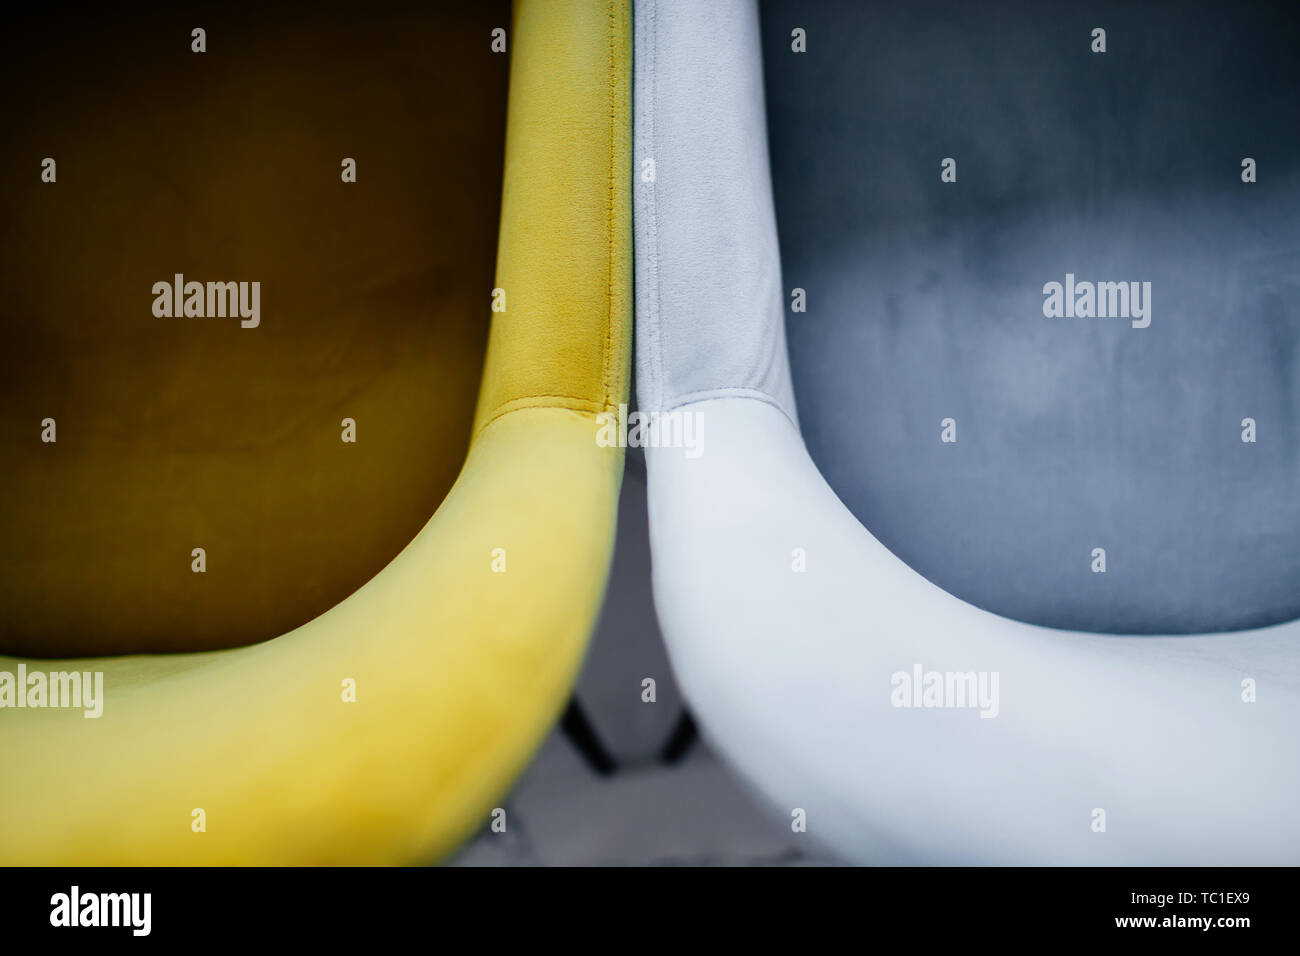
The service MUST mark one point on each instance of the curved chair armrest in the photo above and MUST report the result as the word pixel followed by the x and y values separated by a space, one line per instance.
pixel 464 648
pixel 459 671
pixel 804 678
pixel 797 637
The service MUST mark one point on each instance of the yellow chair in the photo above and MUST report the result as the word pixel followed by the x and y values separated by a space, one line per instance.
pixel 462 650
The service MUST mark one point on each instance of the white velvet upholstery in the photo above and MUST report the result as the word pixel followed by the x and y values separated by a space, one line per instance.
pixel 789 671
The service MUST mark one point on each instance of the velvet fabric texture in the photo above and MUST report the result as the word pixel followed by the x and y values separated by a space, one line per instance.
pixel 925 298
pixel 387 729
pixel 183 432
pixel 892 720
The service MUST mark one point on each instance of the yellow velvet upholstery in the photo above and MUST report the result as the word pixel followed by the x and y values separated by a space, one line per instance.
pixel 186 432
pixel 459 666
pixel 566 245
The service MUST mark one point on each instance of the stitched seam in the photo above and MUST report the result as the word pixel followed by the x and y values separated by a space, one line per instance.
pixel 732 391
pixel 582 404
pixel 594 403
pixel 657 351
pixel 609 289
pixel 648 325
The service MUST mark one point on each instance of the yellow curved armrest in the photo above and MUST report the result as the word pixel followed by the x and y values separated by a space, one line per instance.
pixel 461 652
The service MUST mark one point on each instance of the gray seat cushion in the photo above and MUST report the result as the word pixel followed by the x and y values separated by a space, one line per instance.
pixel 925 299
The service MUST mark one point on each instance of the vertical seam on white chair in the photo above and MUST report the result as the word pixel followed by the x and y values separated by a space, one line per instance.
pixel 646 31
pixel 611 83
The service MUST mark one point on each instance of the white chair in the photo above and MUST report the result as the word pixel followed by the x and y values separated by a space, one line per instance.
pixel 789 624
